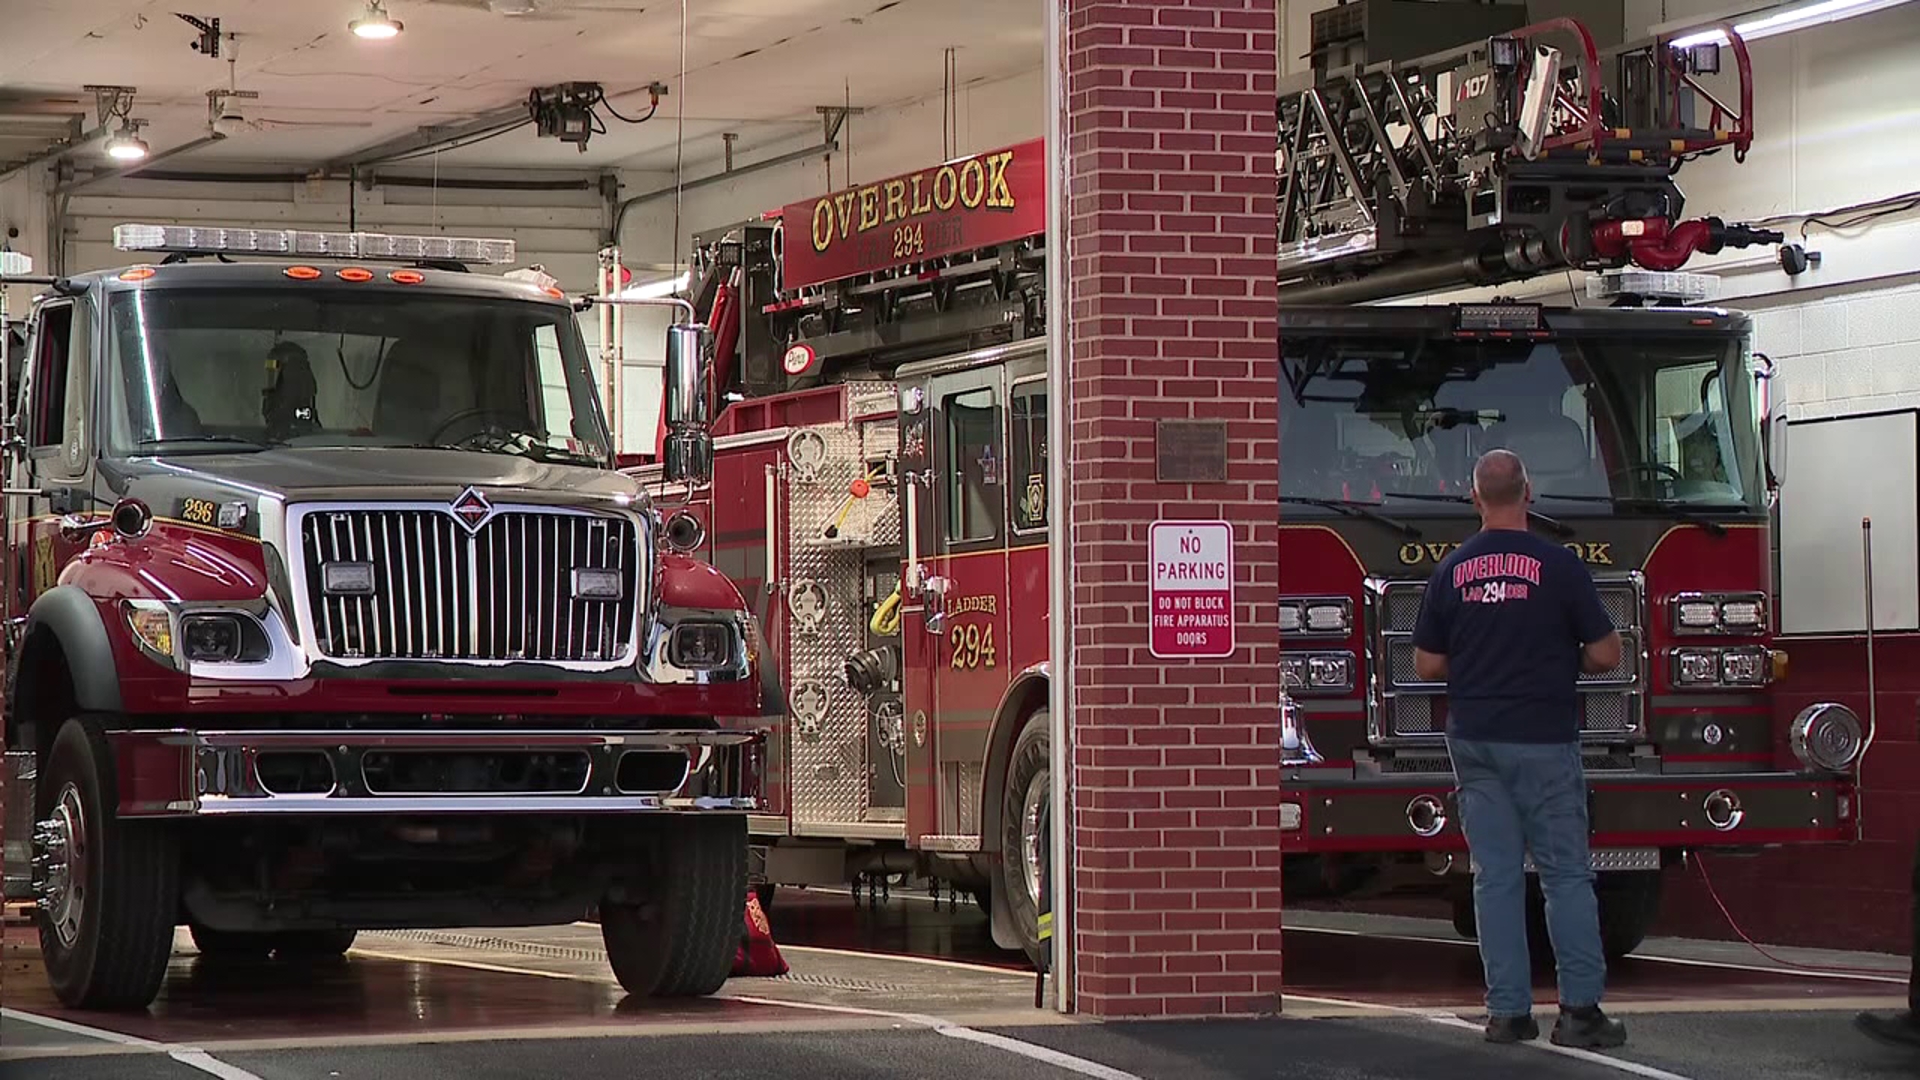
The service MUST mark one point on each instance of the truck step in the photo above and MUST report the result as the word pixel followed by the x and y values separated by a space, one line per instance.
pixel 19 913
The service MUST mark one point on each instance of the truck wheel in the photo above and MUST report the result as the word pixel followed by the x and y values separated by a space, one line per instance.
pixel 681 942
pixel 1022 845
pixel 110 889
pixel 1629 904
pixel 313 944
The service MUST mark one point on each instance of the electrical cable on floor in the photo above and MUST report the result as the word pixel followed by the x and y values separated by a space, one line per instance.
pixel 1701 863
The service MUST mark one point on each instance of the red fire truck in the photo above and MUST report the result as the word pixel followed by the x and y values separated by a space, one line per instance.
pixel 879 487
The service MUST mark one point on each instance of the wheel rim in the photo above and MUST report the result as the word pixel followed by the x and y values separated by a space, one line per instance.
pixel 1033 845
pixel 62 838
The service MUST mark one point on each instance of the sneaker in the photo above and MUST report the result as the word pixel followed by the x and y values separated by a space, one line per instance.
pixel 1586 1027
pixel 1510 1029
pixel 1900 1029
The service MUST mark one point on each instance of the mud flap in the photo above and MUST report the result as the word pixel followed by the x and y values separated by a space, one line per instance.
pixel 17 855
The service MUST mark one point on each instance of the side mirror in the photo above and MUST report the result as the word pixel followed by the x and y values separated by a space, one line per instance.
pixel 1770 398
pixel 687 455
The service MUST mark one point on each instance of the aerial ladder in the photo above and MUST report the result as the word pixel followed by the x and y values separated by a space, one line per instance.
pixel 1531 150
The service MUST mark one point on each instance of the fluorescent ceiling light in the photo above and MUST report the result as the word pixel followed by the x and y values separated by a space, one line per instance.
pixel 1788 19
pixel 375 25
pixel 657 290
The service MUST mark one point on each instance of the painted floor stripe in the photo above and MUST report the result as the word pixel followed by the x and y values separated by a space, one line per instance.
pixel 1446 1019
pixel 1032 1051
pixel 191 1057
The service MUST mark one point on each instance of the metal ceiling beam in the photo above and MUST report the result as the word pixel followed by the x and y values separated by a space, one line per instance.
pixel 71 186
pixel 426 138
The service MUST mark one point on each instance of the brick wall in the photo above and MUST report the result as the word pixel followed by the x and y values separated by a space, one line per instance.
pixel 1171 244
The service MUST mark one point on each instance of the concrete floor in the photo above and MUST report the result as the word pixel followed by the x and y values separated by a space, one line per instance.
pixel 1370 997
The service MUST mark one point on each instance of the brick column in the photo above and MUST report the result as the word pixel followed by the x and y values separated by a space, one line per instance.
pixel 1171 183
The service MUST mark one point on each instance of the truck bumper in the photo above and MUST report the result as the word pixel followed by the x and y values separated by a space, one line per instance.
pixel 181 773
pixel 1628 815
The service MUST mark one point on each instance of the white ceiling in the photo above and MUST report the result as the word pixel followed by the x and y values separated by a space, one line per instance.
pixel 756 67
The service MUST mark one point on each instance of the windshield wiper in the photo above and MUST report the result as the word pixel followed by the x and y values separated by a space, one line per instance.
pixel 220 441
pixel 1355 508
pixel 1552 523
pixel 1679 508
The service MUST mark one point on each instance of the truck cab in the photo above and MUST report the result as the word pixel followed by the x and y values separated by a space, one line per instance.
pixel 326 610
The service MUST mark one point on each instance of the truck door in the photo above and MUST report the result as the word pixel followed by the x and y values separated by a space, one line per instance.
pixel 966 615
pixel 53 474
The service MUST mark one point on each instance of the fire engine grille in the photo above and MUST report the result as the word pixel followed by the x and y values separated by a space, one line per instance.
pixel 503 592
pixel 1413 708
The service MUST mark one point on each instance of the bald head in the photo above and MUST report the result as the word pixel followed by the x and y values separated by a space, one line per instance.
pixel 1500 480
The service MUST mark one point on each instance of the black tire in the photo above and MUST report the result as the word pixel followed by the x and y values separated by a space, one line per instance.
pixel 225 945
pixel 313 944
pixel 1464 922
pixel 681 943
pixel 107 947
pixel 1629 906
pixel 1027 770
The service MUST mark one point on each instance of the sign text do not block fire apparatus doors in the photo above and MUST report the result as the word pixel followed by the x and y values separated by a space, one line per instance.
pixel 1191 591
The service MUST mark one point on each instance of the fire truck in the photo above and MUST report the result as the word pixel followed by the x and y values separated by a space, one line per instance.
pixel 879 489
pixel 327 610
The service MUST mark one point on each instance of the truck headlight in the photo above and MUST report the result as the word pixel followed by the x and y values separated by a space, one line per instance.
pixel 1744 667
pixel 1316 616
pixel 1719 613
pixel 1827 736
pixel 1696 667
pixel 701 646
pixel 1697 614
pixel 1317 672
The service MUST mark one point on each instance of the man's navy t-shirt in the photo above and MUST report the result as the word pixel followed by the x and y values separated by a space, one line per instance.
pixel 1511 613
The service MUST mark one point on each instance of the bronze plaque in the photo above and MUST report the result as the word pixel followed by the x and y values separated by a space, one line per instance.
pixel 1190 451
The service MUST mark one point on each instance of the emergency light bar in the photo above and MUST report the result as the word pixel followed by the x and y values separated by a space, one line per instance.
pixel 194 240
pixel 15 264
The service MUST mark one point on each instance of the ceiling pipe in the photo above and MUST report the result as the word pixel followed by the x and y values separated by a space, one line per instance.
pixel 450 184
pixel 72 186
pixel 620 215
pixel 434 137
pixel 52 154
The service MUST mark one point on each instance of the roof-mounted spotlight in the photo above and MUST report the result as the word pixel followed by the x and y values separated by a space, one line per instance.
pixel 376 25
pixel 125 144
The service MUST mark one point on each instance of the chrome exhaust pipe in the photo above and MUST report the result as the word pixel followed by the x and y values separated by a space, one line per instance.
pixel 1296 748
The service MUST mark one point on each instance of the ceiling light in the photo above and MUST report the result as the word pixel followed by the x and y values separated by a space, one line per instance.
pixel 126 144
pixel 655 290
pixel 1788 19
pixel 375 25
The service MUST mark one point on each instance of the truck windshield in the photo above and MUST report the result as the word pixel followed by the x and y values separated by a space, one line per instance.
pixel 1600 421
pixel 226 369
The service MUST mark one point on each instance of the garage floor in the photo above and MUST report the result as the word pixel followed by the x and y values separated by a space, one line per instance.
pixel 1371 997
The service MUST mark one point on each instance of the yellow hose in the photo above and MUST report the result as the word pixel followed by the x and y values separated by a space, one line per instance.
pixel 886 617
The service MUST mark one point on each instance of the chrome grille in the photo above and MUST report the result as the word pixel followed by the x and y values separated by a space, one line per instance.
pixel 1408 707
pixel 503 592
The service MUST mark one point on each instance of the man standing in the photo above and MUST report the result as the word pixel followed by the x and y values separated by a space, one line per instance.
pixel 1901 1028
pixel 1508 622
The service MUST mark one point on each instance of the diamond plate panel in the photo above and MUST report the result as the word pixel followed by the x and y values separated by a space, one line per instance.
pixel 969 792
pixel 830 762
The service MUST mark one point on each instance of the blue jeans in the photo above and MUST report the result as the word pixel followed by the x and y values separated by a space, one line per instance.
pixel 1516 798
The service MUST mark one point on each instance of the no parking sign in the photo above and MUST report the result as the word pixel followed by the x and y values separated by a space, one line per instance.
pixel 1190 595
